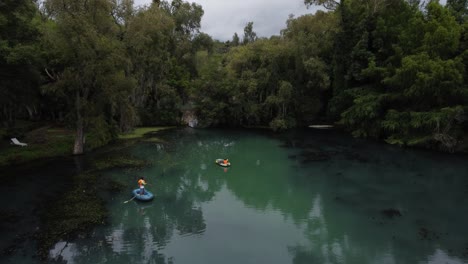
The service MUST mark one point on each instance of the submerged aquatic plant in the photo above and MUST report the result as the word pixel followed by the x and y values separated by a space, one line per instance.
pixel 74 212
pixel 118 162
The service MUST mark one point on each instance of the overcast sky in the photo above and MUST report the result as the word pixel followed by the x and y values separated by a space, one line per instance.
pixel 223 18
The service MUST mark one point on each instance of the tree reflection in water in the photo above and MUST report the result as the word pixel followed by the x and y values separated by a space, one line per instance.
pixel 336 203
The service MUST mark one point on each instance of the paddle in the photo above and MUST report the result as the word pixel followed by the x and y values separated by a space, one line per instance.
pixel 130 199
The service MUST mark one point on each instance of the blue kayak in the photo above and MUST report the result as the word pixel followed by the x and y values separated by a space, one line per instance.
pixel 148 196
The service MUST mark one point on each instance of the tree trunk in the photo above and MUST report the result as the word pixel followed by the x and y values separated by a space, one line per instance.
pixel 79 138
pixel 284 110
pixel 10 114
pixel 30 112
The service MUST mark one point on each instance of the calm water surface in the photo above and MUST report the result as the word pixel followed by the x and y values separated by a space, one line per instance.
pixel 306 197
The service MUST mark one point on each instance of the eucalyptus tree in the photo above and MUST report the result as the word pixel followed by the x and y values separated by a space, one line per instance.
pixel 86 67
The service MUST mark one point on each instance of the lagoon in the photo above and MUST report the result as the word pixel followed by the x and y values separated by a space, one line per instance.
pixel 306 196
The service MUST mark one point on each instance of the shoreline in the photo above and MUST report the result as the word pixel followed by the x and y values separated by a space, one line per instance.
pixel 53 142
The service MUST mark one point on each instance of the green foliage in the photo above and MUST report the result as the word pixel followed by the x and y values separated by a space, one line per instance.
pixel 414 92
pixel 459 9
pixel 187 16
pixel 411 128
pixel 278 124
pixel 249 35
pixel 19 58
pixel 328 4
pixel 235 40
pixel 389 69
pixel 281 79
pixel 442 32
pixel 363 116
pixel 211 91
pixel 100 133
pixel 435 81
pixel 148 41
pixel 90 68
pixel 203 41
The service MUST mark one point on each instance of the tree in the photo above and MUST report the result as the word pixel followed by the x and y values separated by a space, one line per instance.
pixel 89 67
pixel 235 40
pixel 249 35
pixel 202 41
pixel 19 60
pixel 187 17
pixel 328 4
pixel 413 91
pixel 311 39
pixel 459 9
pixel 148 41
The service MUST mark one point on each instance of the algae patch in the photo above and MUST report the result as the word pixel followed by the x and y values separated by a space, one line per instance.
pixel 76 212
pixel 118 162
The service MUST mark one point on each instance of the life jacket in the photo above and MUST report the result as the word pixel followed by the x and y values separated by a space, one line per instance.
pixel 225 161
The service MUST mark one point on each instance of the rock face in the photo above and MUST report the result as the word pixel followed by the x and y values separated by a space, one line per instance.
pixel 190 118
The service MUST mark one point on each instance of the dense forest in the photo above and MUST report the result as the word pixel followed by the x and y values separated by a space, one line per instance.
pixel 394 70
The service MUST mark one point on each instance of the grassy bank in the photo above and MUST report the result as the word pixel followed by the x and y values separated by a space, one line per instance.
pixel 42 143
pixel 48 142
pixel 141 132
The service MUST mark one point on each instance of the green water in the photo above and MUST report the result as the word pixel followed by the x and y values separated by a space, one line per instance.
pixel 305 197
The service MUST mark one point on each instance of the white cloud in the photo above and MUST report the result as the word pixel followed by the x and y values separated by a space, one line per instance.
pixel 223 18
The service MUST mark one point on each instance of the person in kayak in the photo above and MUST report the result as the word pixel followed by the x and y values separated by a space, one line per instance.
pixel 142 183
pixel 225 161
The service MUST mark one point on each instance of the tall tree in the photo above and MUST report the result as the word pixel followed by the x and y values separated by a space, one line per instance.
pixel 312 41
pixel 235 40
pixel 19 59
pixel 249 34
pixel 89 66
pixel 148 41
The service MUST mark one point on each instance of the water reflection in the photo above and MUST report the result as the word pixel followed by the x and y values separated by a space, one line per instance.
pixel 139 230
pixel 298 199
